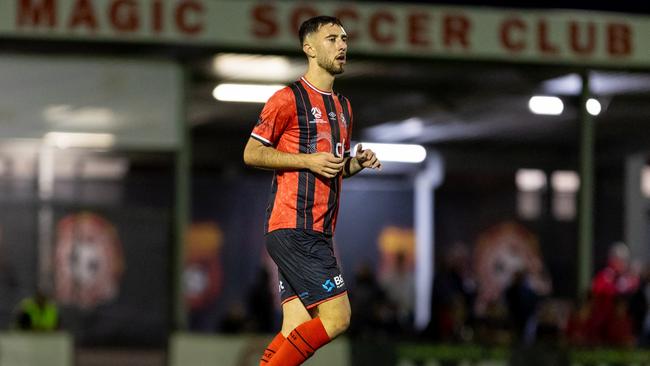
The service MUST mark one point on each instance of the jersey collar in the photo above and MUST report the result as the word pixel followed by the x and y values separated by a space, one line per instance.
pixel 314 88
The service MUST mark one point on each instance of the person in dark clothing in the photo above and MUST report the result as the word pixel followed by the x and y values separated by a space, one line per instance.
pixel 260 304
pixel 522 301
pixel 452 301
pixel 369 302
pixel 639 310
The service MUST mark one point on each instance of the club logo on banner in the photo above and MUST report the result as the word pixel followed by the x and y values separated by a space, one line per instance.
pixel 203 273
pixel 501 252
pixel 88 260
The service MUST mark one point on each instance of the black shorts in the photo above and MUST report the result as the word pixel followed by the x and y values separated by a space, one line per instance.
pixel 307 266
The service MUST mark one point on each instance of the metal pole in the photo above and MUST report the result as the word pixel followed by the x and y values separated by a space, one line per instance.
pixel 587 142
pixel 183 167
pixel 425 183
pixel 46 167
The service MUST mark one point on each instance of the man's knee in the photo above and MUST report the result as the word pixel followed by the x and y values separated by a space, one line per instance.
pixel 343 322
pixel 335 316
pixel 293 314
pixel 336 324
pixel 289 323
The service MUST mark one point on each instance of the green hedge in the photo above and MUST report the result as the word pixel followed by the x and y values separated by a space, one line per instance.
pixel 445 352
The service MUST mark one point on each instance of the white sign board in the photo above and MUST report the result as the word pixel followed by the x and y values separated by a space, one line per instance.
pixel 382 29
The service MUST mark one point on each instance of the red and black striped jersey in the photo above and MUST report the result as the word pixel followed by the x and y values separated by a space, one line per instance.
pixel 303 119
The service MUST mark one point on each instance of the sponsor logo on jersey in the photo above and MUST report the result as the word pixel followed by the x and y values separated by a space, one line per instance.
pixel 338 280
pixel 328 286
pixel 339 149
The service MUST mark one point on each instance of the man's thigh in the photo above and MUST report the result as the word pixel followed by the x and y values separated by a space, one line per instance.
pixel 334 308
pixel 294 313
pixel 335 314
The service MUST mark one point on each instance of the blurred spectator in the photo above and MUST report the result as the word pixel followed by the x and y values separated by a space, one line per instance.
pixel 492 327
pixel 234 321
pixel 548 330
pixel 612 282
pixel 522 301
pixel 260 304
pixel 398 286
pixel 373 315
pixel 37 313
pixel 579 327
pixel 452 302
pixel 618 330
pixel 640 310
pixel 546 350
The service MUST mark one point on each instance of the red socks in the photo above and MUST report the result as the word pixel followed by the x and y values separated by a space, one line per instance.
pixel 272 348
pixel 301 343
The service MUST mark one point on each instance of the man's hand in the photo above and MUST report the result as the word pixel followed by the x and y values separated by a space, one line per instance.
pixel 325 164
pixel 367 158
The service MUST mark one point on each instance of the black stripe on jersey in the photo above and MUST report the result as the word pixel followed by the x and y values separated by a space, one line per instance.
pixel 306 180
pixel 334 182
pixel 271 203
pixel 346 114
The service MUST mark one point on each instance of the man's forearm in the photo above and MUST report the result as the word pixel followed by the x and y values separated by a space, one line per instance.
pixel 351 167
pixel 266 157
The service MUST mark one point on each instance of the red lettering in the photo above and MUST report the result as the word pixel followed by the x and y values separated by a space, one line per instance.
pixel 417 29
pixel 619 40
pixel 83 15
pixel 264 25
pixel 32 15
pixel 582 48
pixel 124 15
pixel 349 14
pixel 456 30
pixel 157 16
pixel 182 22
pixel 507 29
pixel 544 44
pixel 299 15
pixel 375 23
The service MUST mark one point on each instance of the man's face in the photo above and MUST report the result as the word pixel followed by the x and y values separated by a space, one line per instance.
pixel 330 43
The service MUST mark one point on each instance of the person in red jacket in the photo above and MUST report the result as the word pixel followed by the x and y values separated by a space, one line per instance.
pixel 614 281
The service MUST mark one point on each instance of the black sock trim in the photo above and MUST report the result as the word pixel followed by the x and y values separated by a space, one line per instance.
pixel 296 347
pixel 304 340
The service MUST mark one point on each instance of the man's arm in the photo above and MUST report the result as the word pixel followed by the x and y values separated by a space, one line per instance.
pixel 363 159
pixel 351 167
pixel 260 156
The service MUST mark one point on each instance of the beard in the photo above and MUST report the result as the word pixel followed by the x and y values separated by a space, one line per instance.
pixel 331 67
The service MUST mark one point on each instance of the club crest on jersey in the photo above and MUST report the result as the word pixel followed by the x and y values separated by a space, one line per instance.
pixel 342 117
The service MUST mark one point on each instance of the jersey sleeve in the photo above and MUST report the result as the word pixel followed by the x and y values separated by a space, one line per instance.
pixel 274 118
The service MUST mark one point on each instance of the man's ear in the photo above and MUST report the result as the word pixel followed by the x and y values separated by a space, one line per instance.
pixel 308 50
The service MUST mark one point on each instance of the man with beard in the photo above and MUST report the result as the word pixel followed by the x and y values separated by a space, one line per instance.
pixel 303 134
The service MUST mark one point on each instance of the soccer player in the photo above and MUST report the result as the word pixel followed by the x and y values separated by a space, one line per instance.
pixel 303 134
